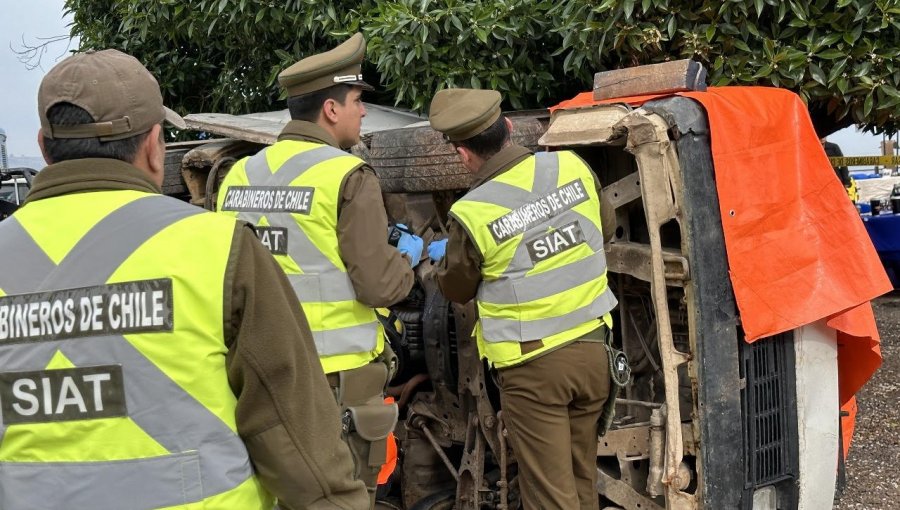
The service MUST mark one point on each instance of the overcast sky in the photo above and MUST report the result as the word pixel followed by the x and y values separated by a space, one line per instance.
pixel 33 19
pixel 30 19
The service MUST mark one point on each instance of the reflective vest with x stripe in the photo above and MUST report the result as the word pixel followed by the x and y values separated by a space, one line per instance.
pixel 113 384
pixel 291 192
pixel 537 227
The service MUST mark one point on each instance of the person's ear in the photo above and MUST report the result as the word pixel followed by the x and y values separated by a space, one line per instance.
pixel 467 158
pixel 508 124
pixel 40 142
pixel 463 154
pixel 152 155
pixel 329 111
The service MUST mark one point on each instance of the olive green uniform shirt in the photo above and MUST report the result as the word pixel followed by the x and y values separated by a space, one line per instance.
pixel 460 269
pixel 286 413
pixel 381 276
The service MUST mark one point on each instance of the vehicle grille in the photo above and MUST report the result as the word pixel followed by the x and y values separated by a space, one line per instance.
pixel 769 401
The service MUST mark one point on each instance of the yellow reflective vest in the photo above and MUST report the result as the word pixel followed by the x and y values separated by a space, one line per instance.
pixel 537 227
pixel 853 191
pixel 112 358
pixel 291 192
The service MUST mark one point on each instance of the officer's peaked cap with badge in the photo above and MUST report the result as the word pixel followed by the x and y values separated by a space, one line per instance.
pixel 461 114
pixel 114 88
pixel 342 64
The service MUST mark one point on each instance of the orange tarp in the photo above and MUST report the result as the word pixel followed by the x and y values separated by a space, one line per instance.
pixel 848 424
pixel 390 464
pixel 797 249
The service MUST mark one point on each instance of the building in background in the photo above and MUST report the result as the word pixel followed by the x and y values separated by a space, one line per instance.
pixel 4 161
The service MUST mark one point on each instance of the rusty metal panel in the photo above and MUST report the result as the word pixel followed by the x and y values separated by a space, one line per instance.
pixel 635 259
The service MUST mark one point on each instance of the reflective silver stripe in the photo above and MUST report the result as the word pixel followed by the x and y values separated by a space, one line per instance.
pixel 158 398
pixel 499 193
pixel 312 288
pixel 504 330
pixel 257 169
pixel 300 248
pixel 548 283
pixel 361 338
pixel 333 284
pixel 20 252
pixel 153 398
pixel 165 481
pixel 131 226
pixel 546 172
pixel 260 174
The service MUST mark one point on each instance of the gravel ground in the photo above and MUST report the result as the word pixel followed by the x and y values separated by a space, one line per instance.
pixel 873 466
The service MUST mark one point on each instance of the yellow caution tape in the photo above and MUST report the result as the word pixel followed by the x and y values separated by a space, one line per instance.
pixel 865 161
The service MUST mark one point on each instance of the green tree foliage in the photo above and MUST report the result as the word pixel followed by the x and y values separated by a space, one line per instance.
pixel 224 55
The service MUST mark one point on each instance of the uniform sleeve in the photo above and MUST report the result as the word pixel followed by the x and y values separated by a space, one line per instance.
pixel 381 276
pixel 460 271
pixel 286 413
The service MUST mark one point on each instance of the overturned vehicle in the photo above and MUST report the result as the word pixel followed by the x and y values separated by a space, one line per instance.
pixel 708 419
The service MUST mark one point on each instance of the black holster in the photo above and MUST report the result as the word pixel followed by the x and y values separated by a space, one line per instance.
pixel 619 377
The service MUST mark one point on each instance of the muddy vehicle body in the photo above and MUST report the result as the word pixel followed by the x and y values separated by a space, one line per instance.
pixel 708 420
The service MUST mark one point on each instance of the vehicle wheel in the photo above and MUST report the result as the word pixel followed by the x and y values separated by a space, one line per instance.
pixel 417 159
pixel 438 501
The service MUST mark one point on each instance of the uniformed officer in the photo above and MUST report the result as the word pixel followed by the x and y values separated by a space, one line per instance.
pixel 151 354
pixel 319 210
pixel 833 150
pixel 527 243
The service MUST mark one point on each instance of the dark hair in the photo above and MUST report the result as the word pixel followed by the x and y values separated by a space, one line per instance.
pixel 64 149
pixel 488 142
pixel 308 106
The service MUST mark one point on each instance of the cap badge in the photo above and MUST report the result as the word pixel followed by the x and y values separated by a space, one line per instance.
pixel 348 77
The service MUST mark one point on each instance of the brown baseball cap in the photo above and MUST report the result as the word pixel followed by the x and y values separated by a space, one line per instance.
pixel 342 64
pixel 463 113
pixel 117 90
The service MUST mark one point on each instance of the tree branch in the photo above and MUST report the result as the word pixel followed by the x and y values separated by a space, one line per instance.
pixel 32 54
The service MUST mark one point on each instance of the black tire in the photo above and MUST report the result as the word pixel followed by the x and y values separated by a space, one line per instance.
pixel 418 160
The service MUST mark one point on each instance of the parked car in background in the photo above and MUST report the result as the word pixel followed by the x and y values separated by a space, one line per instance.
pixel 14 186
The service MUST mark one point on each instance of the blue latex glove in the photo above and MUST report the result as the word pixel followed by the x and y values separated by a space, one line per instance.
pixel 437 249
pixel 410 244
